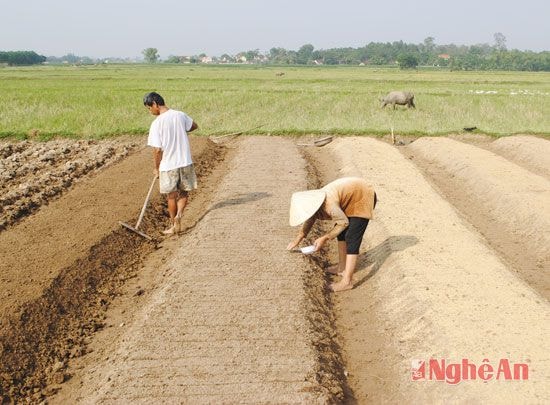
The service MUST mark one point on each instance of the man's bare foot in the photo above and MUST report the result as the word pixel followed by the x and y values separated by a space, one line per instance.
pixel 340 286
pixel 335 270
pixel 177 224
pixel 169 232
pixel 173 230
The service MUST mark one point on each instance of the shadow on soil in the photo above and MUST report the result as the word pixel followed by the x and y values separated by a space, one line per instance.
pixel 376 256
pixel 240 199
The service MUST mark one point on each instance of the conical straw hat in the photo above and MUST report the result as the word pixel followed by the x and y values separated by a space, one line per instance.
pixel 304 204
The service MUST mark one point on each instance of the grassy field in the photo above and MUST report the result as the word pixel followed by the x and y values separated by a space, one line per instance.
pixel 99 101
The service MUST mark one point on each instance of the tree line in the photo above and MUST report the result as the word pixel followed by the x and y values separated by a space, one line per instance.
pixel 404 55
pixel 397 53
pixel 15 58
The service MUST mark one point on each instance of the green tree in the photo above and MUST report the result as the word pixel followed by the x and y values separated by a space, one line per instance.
pixel 428 55
pixel 172 59
pixel 226 58
pixel 21 58
pixel 278 55
pixel 304 54
pixel 429 44
pixel 500 41
pixel 252 55
pixel 407 61
pixel 151 55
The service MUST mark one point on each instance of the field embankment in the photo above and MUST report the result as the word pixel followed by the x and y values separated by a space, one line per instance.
pixel 526 151
pixel 505 202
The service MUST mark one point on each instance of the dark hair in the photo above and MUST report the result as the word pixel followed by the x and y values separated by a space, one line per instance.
pixel 151 98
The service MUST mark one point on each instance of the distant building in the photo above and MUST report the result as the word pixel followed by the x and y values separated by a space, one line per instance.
pixel 444 56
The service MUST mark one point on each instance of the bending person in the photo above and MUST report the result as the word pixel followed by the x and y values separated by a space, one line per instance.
pixel 348 201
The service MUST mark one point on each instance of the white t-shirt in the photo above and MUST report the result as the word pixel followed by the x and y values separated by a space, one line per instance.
pixel 169 132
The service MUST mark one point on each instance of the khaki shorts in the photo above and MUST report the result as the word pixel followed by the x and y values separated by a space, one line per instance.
pixel 180 179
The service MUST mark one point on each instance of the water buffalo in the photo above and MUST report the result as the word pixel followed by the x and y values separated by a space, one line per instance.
pixel 399 97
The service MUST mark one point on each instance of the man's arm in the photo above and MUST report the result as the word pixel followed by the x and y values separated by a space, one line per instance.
pixel 193 127
pixel 157 157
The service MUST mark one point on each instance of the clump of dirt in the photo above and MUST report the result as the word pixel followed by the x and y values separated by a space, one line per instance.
pixel 37 343
pixel 34 173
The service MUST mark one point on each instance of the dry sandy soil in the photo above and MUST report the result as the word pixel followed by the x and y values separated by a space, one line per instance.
pixel 454 266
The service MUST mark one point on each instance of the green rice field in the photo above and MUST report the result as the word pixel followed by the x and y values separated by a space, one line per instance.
pixel 100 101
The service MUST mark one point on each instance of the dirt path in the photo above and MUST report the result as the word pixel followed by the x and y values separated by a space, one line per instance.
pixel 428 287
pixel 231 321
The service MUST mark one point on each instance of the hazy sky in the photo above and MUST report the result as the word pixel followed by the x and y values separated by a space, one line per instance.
pixel 103 28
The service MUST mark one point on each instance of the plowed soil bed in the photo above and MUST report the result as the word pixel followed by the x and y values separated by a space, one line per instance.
pixel 34 173
pixel 64 257
pixel 455 265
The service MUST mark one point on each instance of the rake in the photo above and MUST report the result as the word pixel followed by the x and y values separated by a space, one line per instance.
pixel 135 228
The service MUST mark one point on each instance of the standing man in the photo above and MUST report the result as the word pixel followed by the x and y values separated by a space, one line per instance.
pixel 172 156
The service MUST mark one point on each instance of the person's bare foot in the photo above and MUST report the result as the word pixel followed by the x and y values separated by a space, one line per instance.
pixel 177 224
pixel 169 232
pixel 172 230
pixel 340 286
pixel 335 270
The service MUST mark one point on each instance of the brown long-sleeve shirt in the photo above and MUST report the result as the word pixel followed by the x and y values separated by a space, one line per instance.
pixel 346 197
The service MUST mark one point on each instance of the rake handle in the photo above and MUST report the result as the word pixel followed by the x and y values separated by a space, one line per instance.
pixel 142 213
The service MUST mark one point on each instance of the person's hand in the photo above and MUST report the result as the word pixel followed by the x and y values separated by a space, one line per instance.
pixel 294 243
pixel 319 242
pixel 156 173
